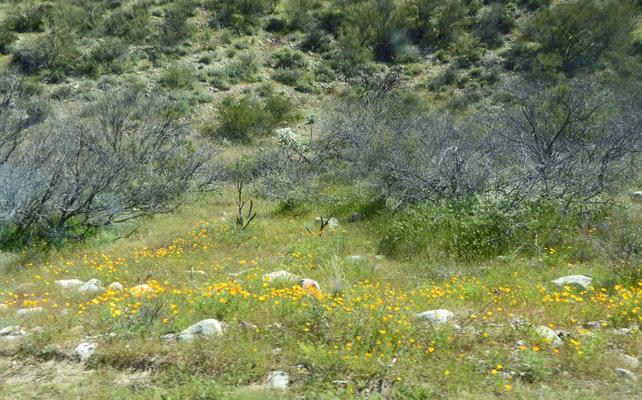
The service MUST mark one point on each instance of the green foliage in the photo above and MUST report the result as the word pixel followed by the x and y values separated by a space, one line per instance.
pixel 245 68
pixel 28 17
pixel 7 38
pixel 178 76
pixel 175 28
pixel 247 118
pixel 53 53
pixel 132 25
pixel 287 58
pixel 573 36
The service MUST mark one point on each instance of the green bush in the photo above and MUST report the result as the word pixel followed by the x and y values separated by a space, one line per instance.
pixel 7 38
pixel 248 118
pixel 287 58
pixel 245 68
pixel 29 17
pixel 323 73
pixel 288 76
pixel 133 24
pixel 178 76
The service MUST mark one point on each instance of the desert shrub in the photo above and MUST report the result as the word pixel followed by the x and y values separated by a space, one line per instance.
pixel 122 157
pixel 175 28
pixel 247 118
pixel 287 58
pixel 316 40
pixel 288 76
pixel 110 55
pixel 7 38
pixel 178 76
pixel 28 17
pixel 574 35
pixel 324 73
pixel 53 53
pixel 492 23
pixel 133 24
pixel 299 13
pixel 245 68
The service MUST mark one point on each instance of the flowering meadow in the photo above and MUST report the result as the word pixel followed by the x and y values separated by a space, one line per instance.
pixel 357 337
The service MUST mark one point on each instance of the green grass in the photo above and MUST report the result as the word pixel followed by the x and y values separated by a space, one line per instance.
pixel 357 339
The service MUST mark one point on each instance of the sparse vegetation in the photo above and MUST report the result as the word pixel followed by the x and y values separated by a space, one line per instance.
pixel 403 156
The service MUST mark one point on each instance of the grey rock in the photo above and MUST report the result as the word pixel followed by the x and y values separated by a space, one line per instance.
pixel 84 351
pixel 637 196
pixel 207 327
pixel 582 281
pixel 629 362
pixel 596 324
pixel 621 332
pixel 141 289
pixel 9 330
pixel 278 380
pixel 92 286
pixel 440 316
pixel 309 284
pixel 279 275
pixel 27 311
pixel 626 374
pixel 549 334
pixel 355 217
pixel 116 287
pixel 69 283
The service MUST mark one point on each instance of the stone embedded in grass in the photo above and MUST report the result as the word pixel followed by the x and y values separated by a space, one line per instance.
pixel 84 351
pixel 207 327
pixel 10 330
pixel 582 281
pixel 355 217
pixel 116 287
pixel 280 276
pixel 637 196
pixel 309 284
pixel 69 283
pixel 440 316
pixel 549 334
pixel 27 311
pixel 621 332
pixel 625 373
pixel 278 380
pixel 632 363
pixel 92 286
pixel 141 289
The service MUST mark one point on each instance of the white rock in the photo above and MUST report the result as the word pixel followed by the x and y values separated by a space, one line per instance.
pixel 26 311
pixel 207 327
pixel 549 334
pixel 141 289
pixel 441 316
pixel 69 283
pixel 582 281
pixel 9 330
pixel 278 380
pixel 116 287
pixel 354 258
pixel 279 275
pixel 625 373
pixel 91 287
pixel 628 361
pixel 84 351
pixel 621 332
pixel 309 284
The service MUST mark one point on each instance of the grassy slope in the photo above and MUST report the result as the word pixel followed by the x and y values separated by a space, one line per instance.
pixel 351 332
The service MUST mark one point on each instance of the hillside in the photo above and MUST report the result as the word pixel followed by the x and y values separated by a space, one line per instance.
pixel 320 199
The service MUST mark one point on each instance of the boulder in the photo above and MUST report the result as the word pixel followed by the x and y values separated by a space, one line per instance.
pixel 92 286
pixel 549 334
pixel 278 380
pixel 440 316
pixel 10 330
pixel 279 275
pixel 309 284
pixel 207 327
pixel 141 289
pixel 69 283
pixel 27 311
pixel 582 281
pixel 84 351
pixel 355 217
pixel 631 363
pixel 116 287
pixel 626 374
